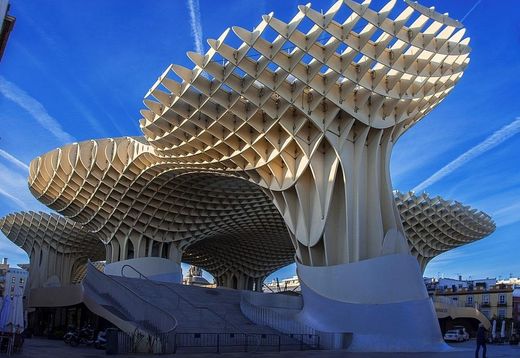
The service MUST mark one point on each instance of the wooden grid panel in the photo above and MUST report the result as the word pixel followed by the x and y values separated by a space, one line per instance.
pixel 56 246
pixel 267 105
pixel 309 117
pixel 432 225
pixel 435 225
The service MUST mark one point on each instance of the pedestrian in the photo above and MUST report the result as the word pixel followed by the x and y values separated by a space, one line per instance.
pixel 481 340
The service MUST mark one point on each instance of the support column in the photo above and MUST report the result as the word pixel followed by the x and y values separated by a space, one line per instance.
pixel 240 281
pixel 355 268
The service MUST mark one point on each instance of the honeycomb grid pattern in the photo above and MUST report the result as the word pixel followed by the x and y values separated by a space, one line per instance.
pixel 432 225
pixel 270 113
pixel 298 120
pixel 56 246
pixel 435 225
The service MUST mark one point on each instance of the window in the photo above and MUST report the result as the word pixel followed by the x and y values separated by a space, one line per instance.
pixel 485 299
pixel 501 313
pixel 469 300
pixel 13 279
pixel 486 313
pixel 502 299
pixel 21 280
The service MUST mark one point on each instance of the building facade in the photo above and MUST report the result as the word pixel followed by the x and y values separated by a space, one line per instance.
pixel 15 281
pixel 287 284
pixel 495 301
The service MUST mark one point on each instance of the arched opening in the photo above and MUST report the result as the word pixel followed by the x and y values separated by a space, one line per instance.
pixel 165 249
pixel 147 247
pixel 235 282
pixel 129 250
pixel 156 248
pixel 108 250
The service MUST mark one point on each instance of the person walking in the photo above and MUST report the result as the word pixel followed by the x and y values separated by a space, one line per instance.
pixel 481 341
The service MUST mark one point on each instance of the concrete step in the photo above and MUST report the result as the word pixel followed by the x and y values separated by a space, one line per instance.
pixel 197 309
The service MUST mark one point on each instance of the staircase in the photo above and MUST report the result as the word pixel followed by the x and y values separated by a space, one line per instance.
pixel 124 306
pixel 170 314
pixel 198 309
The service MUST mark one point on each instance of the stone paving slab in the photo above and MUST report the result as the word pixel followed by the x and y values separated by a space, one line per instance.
pixel 44 348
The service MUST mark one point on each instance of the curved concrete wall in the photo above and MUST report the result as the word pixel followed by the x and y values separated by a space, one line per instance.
pixel 154 268
pixel 382 302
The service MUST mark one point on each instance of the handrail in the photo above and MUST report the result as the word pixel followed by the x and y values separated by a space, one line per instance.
pixel 157 283
pixel 138 296
pixel 179 296
pixel 271 318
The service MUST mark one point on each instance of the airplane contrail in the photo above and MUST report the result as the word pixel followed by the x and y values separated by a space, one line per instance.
pixel 196 27
pixel 490 142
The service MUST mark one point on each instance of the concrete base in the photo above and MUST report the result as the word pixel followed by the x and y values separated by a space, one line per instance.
pixel 378 305
pixel 154 268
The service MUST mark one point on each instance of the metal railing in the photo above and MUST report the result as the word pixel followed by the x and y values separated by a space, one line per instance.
pixel 284 323
pixel 181 297
pixel 147 316
pixel 220 343
pixel 464 303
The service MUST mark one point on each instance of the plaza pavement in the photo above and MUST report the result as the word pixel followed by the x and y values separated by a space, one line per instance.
pixel 44 348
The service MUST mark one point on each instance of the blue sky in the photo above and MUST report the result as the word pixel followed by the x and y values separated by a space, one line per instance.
pixel 78 71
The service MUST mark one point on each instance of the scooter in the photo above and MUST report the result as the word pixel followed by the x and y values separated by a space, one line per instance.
pixel 101 340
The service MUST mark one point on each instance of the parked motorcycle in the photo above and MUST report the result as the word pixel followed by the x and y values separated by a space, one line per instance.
pixel 101 340
pixel 84 336
pixel 70 332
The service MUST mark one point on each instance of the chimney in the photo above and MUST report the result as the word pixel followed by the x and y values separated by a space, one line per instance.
pixel 460 277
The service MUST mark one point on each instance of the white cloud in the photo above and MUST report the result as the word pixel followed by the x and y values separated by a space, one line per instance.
pixel 12 92
pixel 196 27
pixel 492 141
pixel 507 215
pixel 13 186
pixel 14 160
pixel 14 199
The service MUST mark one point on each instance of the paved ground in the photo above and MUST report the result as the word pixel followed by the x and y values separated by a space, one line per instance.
pixel 43 348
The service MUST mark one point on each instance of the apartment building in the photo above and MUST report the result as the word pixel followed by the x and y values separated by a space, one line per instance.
pixel 12 280
pixel 495 301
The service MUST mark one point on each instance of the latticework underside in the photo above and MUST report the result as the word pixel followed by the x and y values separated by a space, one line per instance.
pixel 266 107
pixel 56 246
pixel 300 119
pixel 435 225
pixel 81 271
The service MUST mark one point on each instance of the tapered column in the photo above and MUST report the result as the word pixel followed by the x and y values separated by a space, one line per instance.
pixel 341 208
pixel 241 281
pixel 353 260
